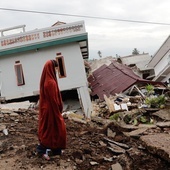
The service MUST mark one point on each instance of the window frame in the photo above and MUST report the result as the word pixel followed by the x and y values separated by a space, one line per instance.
pixel 61 66
pixel 19 74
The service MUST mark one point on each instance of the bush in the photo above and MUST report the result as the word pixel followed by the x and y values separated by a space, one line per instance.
pixel 155 101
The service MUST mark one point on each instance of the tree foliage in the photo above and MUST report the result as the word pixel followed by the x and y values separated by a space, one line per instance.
pixel 135 51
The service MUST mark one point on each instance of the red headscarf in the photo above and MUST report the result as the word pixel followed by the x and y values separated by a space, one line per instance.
pixel 52 129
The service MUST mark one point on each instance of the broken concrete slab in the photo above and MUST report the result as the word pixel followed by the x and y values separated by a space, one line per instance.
pixel 128 127
pixel 163 114
pixel 122 145
pixel 116 149
pixel 15 106
pixel 157 144
pixel 163 124
pixel 135 133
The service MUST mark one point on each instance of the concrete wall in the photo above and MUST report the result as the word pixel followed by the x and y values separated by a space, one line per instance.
pixel 33 62
pixel 161 64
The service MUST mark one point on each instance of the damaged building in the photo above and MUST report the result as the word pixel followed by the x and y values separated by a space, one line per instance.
pixel 114 79
pixel 23 55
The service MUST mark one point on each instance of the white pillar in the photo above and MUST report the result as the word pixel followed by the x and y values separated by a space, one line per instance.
pixel 85 100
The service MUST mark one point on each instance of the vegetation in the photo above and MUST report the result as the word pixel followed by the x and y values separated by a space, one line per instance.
pixel 155 101
pixel 135 51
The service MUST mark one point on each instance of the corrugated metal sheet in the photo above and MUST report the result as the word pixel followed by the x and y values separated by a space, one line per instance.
pixel 112 79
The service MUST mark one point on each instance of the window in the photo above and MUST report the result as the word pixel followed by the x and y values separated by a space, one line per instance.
pixel 19 73
pixel 61 66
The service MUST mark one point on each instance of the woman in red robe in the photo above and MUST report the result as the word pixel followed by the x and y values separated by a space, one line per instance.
pixel 52 128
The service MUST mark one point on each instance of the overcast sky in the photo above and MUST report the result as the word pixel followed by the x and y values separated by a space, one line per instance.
pixel 111 37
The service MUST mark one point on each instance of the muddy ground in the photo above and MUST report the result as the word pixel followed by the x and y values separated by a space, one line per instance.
pixel 87 147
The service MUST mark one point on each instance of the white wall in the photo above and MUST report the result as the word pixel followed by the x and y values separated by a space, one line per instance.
pixel 33 62
pixel 162 64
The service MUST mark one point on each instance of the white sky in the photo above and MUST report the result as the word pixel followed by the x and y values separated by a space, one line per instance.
pixel 109 36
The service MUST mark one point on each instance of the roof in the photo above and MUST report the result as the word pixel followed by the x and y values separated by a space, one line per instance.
pixel 112 79
pixel 58 23
pixel 140 60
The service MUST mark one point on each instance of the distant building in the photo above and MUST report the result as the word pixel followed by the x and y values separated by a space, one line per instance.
pixel 138 63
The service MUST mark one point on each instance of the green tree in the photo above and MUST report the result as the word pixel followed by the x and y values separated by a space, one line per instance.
pixel 135 51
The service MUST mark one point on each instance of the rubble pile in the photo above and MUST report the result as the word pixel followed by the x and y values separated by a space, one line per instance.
pixel 99 143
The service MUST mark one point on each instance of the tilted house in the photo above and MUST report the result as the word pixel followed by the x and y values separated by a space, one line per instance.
pixel 160 62
pixel 23 55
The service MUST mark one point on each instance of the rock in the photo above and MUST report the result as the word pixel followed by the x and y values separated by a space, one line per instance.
pixel 158 144
pixel 5 131
pixel 102 143
pixel 126 127
pixel 116 166
pixel 110 133
pixel 13 114
pixel 93 163
pixel 108 159
pixel 116 149
pixel 2 127
pixel 163 114
pixel 163 124
pixel 135 133
pixel 122 145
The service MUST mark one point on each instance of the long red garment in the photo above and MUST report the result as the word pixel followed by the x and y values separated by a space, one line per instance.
pixel 52 129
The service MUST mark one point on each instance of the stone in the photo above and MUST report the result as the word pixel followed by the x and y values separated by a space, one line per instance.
pixel 2 127
pixel 135 133
pixel 116 149
pixel 110 133
pixel 163 114
pixel 122 145
pixel 102 143
pixel 116 166
pixel 163 124
pixel 93 163
pixel 13 114
pixel 158 144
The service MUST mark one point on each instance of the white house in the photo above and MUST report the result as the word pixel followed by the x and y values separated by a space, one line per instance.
pixel 23 55
pixel 160 62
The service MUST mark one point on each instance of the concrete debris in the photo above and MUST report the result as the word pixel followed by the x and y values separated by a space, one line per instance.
pixel 158 144
pixel 15 106
pixel 116 149
pixel 163 124
pixel 110 133
pixel 116 166
pixel 164 114
pixel 5 131
pixel 122 133
pixel 136 133
pixel 93 163
pixel 117 143
pixel 2 127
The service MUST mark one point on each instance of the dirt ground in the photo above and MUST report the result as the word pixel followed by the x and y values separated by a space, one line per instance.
pixel 87 148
